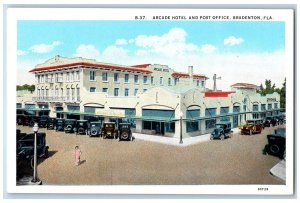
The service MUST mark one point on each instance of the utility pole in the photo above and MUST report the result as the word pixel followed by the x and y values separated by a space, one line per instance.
pixel 215 78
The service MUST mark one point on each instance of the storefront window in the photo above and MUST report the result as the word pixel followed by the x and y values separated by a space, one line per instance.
pixel 192 125
pixel 210 123
pixel 224 111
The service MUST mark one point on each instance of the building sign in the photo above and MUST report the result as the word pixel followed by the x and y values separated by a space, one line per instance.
pixel 161 69
pixel 271 100
pixel 110 112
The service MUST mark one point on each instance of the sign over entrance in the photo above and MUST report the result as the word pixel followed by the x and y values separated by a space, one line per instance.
pixel 110 112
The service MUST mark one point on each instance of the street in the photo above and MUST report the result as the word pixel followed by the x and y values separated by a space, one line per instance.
pixel 236 160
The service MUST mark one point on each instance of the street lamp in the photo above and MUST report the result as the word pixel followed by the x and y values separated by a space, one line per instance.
pixel 35 178
pixel 180 114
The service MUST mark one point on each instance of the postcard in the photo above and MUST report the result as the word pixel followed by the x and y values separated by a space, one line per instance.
pixel 150 101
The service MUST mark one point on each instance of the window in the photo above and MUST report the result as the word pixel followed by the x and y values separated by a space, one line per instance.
pixel 77 76
pixel 269 106
pixel 42 79
pixel 176 81
pixel 72 76
pixel 116 92
pixel 224 111
pixel 170 127
pixel 116 77
pixel 136 79
pixel 135 91
pixel 161 80
pixel 105 90
pixel 126 78
pixel 202 83
pixel 92 89
pixel 68 77
pixel 276 106
pixel 211 122
pixel 92 75
pixel 198 83
pixel 255 107
pixel 104 76
pixel 145 79
pixel 263 107
pixel 169 81
pixel 152 80
pixel 144 90
pixel 39 79
pixel 126 92
pixel 192 125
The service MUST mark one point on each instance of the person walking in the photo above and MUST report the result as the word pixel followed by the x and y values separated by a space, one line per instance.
pixel 77 155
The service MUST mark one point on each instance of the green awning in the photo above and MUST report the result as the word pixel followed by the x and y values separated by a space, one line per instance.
pixel 152 118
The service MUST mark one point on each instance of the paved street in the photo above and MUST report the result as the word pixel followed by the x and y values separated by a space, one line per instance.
pixel 237 160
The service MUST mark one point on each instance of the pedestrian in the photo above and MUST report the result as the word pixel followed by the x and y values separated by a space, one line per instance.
pixel 77 155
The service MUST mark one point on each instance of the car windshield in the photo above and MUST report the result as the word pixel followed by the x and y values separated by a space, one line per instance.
pixel 219 125
pixel 124 126
pixel 26 143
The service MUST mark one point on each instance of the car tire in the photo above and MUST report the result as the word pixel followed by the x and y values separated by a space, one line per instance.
pixel 274 149
pixel 124 135
pixel 46 154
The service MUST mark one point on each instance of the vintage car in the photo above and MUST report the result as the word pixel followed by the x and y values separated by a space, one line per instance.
pixel 125 132
pixel 270 121
pixel 43 122
pixel 20 135
pixel 31 120
pixel 82 127
pixel 276 143
pixel 59 124
pixel 95 129
pixel 251 127
pixel 280 119
pixel 51 123
pixel 20 119
pixel 25 147
pixel 222 130
pixel 70 125
pixel 27 119
pixel 109 130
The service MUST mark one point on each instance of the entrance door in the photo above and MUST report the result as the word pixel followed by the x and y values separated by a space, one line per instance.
pixel 235 121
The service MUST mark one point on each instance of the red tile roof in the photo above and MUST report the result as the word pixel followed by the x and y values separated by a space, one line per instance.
pixel 217 94
pixel 244 85
pixel 141 66
pixel 94 65
pixel 186 75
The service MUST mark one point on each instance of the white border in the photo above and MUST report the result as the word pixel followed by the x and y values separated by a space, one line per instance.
pixel 15 14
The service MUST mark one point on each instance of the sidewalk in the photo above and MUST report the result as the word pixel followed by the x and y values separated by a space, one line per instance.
pixel 279 170
pixel 175 141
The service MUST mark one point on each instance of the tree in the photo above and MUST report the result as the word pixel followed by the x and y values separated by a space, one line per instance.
pixel 30 88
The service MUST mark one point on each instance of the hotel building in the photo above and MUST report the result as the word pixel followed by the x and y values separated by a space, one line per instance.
pixel 154 98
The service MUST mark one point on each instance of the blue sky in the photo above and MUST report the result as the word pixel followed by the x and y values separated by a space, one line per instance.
pixel 208 45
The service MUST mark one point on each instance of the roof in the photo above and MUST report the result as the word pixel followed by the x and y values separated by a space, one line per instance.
pixel 217 94
pixel 141 66
pixel 186 75
pixel 244 86
pixel 92 65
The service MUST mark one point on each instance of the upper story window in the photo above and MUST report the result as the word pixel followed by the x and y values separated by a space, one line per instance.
pixel 144 90
pixel 77 76
pixel 152 80
pixel 126 92
pixel 269 106
pixel 136 79
pixel 126 78
pixel 68 77
pixel 145 80
pixel 202 83
pixel 39 79
pixel 135 91
pixel 92 89
pixel 116 92
pixel 116 77
pixel 42 78
pixel 169 81
pixel 105 90
pixel 161 80
pixel 104 76
pixel 176 80
pixel 276 106
pixel 92 75
pixel 72 76
pixel 198 83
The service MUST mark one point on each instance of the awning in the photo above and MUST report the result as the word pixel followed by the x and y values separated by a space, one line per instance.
pixel 153 118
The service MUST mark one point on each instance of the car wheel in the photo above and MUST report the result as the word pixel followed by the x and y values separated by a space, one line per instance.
pixel 46 154
pixel 274 149
pixel 124 136
pixel 32 162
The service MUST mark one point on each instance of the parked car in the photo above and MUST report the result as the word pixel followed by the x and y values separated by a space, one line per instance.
pixel 276 143
pixel 82 127
pixel 51 123
pixel 109 130
pixel 59 124
pixel 70 125
pixel 26 120
pixel 43 122
pixel 252 126
pixel 20 119
pixel 20 135
pixel 222 130
pixel 125 132
pixel 25 147
pixel 270 121
pixel 32 119
pixel 280 119
pixel 95 129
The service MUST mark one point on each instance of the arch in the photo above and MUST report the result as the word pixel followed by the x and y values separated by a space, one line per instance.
pixel 255 102
pixel 236 104
pixel 157 106
pixel 94 105
pixel 192 107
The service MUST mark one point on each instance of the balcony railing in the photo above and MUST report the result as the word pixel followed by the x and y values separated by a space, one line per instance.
pixel 50 80
pixel 56 99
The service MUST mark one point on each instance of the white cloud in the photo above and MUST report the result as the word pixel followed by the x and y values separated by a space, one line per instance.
pixel 22 53
pixel 208 48
pixel 232 40
pixel 87 51
pixel 114 54
pixel 121 42
pixel 44 48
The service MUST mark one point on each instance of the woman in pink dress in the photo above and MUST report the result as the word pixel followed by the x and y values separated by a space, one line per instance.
pixel 77 155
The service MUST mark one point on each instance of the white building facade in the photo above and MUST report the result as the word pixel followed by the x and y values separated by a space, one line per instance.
pixel 154 98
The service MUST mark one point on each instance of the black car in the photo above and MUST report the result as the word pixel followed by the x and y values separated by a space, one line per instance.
pixel 276 143
pixel 82 127
pixel 270 121
pixel 109 130
pixel 95 129
pixel 43 122
pixel 125 132
pixel 70 125
pixel 59 124
pixel 20 119
pixel 51 123
pixel 25 147
pixel 20 135
pixel 222 130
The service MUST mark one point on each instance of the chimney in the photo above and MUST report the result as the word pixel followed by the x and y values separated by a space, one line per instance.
pixel 191 70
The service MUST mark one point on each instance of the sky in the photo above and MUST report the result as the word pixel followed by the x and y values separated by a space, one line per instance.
pixel 240 51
